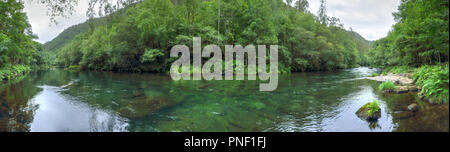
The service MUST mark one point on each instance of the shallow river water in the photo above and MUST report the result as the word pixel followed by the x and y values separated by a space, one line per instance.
pixel 59 100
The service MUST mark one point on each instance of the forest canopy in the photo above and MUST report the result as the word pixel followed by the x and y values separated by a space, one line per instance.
pixel 139 39
pixel 18 51
pixel 420 37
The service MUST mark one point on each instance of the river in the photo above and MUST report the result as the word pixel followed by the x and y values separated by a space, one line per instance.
pixel 64 101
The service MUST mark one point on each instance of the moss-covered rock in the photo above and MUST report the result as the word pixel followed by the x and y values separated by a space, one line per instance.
pixel 370 111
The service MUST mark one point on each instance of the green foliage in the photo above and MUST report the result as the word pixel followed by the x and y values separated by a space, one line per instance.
pixel 10 72
pixel 123 44
pixel 69 34
pixel 399 69
pixel 384 73
pixel 18 52
pixel 387 86
pixel 434 81
pixel 151 55
pixel 374 75
pixel 372 107
pixel 421 36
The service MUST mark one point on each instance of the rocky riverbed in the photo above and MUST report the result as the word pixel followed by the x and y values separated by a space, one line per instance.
pixel 404 82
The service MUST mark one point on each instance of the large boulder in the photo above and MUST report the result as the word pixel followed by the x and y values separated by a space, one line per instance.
pixel 370 111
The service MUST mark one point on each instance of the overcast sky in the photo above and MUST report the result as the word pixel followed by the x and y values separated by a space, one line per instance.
pixel 371 18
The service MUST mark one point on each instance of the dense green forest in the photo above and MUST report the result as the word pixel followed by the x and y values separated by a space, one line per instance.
pixel 18 51
pixel 420 37
pixel 67 35
pixel 418 43
pixel 139 39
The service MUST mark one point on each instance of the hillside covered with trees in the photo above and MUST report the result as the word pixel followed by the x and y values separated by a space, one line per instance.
pixel 68 34
pixel 140 38
pixel 418 43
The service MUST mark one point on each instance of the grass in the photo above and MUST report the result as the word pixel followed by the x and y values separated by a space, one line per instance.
pixel 434 81
pixel 387 86
pixel 374 75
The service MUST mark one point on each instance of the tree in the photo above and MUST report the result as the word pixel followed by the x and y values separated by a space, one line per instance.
pixel 302 5
pixel 323 18
pixel 421 35
pixel 15 34
pixel 65 8
pixel 142 36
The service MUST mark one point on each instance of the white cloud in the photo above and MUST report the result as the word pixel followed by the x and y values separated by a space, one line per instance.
pixel 371 18
pixel 41 24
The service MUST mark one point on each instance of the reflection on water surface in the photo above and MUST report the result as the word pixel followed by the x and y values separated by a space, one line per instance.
pixel 59 100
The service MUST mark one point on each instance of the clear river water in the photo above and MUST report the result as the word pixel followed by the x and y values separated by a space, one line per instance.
pixel 64 101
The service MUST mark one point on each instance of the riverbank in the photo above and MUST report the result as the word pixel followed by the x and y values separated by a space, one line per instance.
pixel 404 83
pixel 12 72
pixel 432 82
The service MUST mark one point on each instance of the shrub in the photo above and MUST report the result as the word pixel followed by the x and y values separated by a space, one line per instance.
pixel 374 75
pixel 401 69
pixel 387 86
pixel 9 72
pixel 385 73
pixel 151 55
pixel 434 81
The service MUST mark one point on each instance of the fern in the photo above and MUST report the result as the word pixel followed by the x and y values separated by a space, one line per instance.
pixel 434 81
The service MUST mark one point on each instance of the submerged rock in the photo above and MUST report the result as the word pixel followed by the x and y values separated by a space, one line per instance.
pixel 143 106
pixel 403 115
pixel 413 107
pixel 370 111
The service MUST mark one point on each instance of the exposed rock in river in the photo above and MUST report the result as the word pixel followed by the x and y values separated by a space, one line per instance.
pixel 399 79
pixel 406 89
pixel 370 112
pixel 404 82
